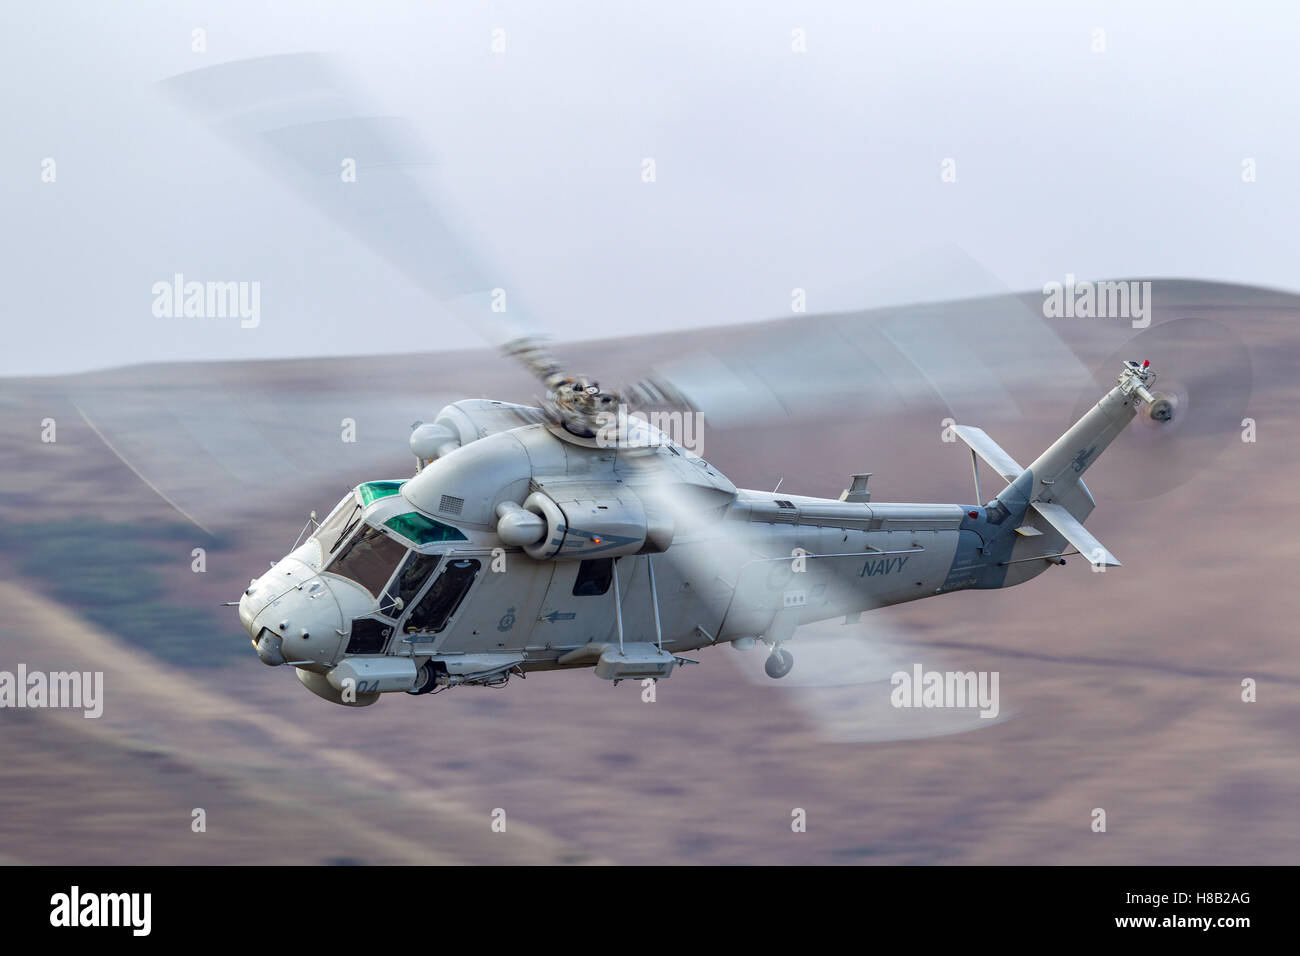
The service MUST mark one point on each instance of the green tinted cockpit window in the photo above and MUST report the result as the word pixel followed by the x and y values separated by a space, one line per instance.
pixel 374 490
pixel 422 530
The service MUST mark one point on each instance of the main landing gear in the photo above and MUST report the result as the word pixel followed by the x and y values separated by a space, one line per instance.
pixel 778 662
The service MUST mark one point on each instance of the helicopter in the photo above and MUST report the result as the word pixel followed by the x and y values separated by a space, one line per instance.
pixel 518 548
pixel 568 534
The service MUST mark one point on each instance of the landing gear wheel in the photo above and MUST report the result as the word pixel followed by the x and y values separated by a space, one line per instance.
pixel 424 680
pixel 778 663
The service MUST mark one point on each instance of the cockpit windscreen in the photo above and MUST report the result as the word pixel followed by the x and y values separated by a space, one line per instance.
pixel 369 559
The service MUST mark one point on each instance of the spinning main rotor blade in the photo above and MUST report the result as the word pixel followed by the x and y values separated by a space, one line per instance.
pixel 209 442
pixel 217 449
pixel 299 117
pixel 985 359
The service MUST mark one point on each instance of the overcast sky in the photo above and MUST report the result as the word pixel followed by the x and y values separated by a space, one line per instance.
pixel 775 169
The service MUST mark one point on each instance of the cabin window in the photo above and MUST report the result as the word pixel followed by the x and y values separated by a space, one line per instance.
pixel 369 559
pixel 594 577
pixel 368 636
pixel 444 596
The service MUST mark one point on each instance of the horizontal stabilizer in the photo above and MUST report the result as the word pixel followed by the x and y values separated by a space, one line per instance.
pixel 1074 532
pixel 988 449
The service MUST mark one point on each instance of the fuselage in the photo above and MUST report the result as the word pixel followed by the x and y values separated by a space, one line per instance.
pixel 415 568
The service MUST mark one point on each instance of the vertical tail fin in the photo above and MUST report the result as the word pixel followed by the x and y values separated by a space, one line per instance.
pixel 1052 486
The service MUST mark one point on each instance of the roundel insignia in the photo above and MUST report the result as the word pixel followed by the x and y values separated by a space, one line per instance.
pixel 780 574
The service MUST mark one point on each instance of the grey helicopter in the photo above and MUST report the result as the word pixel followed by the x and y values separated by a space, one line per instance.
pixel 549 545
pixel 568 534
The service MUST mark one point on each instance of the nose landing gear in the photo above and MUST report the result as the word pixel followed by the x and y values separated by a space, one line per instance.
pixel 778 663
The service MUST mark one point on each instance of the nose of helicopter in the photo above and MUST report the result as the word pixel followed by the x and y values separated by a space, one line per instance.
pixel 291 615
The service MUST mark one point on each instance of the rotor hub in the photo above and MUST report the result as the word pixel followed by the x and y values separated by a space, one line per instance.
pixel 580 403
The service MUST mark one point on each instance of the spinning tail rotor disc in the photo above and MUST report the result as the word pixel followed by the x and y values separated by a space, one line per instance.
pixel 1203 388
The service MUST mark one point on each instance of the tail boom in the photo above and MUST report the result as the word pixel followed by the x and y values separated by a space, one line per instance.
pixel 1058 470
